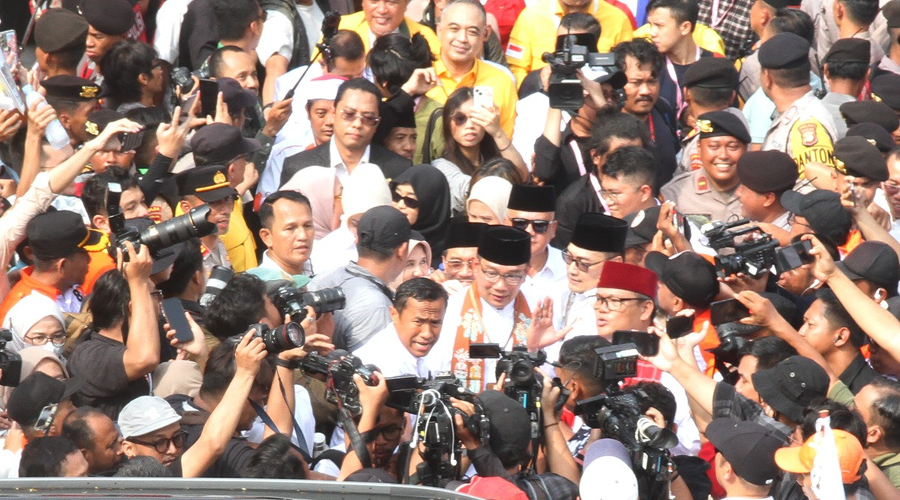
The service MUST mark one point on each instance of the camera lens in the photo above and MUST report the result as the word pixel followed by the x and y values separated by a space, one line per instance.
pixel 284 338
pixel 326 300
pixel 193 224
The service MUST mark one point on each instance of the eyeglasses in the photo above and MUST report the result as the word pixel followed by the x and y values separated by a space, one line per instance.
pixel 579 264
pixel 891 187
pixel 540 226
pixel 409 202
pixel 389 433
pixel 56 339
pixel 614 304
pixel 456 265
pixel 368 119
pixel 610 195
pixel 510 279
pixel 459 119
pixel 161 445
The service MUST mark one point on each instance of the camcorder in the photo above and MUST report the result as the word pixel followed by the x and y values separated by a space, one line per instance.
pixel 10 363
pixel 573 52
pixel 752 258
pixel 194 224
pixel 339 366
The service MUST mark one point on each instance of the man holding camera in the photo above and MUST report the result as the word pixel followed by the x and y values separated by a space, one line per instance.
pixel 209 186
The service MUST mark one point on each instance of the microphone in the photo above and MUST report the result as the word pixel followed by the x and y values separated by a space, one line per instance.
pixel 607 472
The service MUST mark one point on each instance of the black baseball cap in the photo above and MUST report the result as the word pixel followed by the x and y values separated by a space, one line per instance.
pixel 791 385
pixel 235 96
pixel 220 143
pixel 873 261
pixel 209 183
pixel 383 229
pixel 687 275
pixel 37 391
pixel 823 211
pixel 58 234
pixel 509 422
pixel 748 446
pixel 641 226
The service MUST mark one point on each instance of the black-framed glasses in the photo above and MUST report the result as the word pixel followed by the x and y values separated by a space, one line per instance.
pixel 510 279
pixel 161 445
pixel 368 119
pixel 389 433
pixel 409 202
pixel 579 264
pixel 614 304
pixel 540 226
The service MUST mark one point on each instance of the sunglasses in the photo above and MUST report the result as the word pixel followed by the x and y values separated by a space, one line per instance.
pixel 459 119
pixel 409 202
pixel 540 226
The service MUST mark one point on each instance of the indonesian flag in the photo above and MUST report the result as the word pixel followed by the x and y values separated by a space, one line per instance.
pixel 514 51
pixel 826 469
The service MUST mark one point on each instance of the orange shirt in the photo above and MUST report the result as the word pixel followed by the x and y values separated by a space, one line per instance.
pixel 26 286
pixel 99 264
pixel 711 341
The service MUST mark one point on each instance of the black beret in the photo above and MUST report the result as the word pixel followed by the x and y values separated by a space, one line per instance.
pixel 784 50
pixel 532 198
pixel 886 89
pixel 767 171
pixel 891 12
pixel 71 87
pixel 464 234
pixel 60 29
pixel 505 246
pixel 600 233
pixel 210 183
pixel 98 120
pixel 782 4
pixel 849 50
pixel 875 112
pixel 874 133
pixel 711 72
pixel 722 123
pixel 858 157
pixel 112 17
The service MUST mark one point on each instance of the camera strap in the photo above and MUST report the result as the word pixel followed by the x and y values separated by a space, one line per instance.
pixel 371 279
pixel 301 440
pixel 356 440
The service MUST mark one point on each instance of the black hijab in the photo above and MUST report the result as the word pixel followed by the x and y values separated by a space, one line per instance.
pixel 433 192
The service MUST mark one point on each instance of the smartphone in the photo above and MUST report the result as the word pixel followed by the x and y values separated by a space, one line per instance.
pixel 793 256
pixel 209 93
pixel 647 344
pixel 9 44
pixel 679 326
pixel 483 96
pixel 484 351
pixel 130 141
pixel 174 313
pixel 727 311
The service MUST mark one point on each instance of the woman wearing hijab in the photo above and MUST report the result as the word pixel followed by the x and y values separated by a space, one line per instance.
pixel 422 194
pixel 488 199
pixel 36 359
pixel 418 261
pixel 36 321
pixel 322 187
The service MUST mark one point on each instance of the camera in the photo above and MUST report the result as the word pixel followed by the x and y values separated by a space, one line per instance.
pixel 616 362
pixel 194 224
pixel 340 366
pixel 218 279
pixel 752 258
pixel 181 79
pixel 10 363
pixel 283 338
pixel 572 53
pixel 291 301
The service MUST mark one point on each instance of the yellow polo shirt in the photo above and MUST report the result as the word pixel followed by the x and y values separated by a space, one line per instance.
pixel 357 22
pixel 482 73
pixel 705 37
pixel 238 241
pixel 535 33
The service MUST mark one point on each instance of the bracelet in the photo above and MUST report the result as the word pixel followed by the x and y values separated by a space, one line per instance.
pixel 507 146
pixel 550 425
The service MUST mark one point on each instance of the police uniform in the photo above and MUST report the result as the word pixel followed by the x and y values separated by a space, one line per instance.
pixel 110 17
pixel 710 73
pixel 693 192
pixel 805 130
pixel 210 184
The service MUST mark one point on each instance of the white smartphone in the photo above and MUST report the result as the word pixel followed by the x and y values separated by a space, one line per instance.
pixel 483 96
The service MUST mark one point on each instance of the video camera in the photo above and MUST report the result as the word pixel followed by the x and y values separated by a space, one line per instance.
pixel 340 366
pixel 752 258
pixel 572 53
pixel 10 363
pixel 194 224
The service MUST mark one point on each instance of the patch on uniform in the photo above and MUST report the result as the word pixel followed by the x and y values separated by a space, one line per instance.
pixel 514 51
pixel 702 183
pixel 789 115
pixel 808 136
pixel 696 162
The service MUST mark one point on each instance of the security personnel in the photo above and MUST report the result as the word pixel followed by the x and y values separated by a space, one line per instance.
pixel 858 158
pixel 59 37
pixel 710 192
pixel 209 186
pixel 73 99
pixel 708 86
pixel 845 68
pixel 802 127
pixel 876 112
pixel 110 22
pixel 885 90
pixel 874 133
pixel 764 177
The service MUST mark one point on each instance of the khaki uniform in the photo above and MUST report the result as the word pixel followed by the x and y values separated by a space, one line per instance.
pixel 694 194
pixel 805 131
pixel 690 154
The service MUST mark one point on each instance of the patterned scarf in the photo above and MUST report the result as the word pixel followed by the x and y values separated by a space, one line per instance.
pixel 471 330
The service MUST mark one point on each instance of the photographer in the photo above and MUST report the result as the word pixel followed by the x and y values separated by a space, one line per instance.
pixel 209 186
pixel 241 303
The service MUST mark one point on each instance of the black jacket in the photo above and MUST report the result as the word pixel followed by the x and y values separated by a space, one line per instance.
pixel 390 163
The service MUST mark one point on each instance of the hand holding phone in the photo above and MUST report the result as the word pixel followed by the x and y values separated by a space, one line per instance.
pixel 209 95
pixel 727 311
pixel 679 326
pixel 174 313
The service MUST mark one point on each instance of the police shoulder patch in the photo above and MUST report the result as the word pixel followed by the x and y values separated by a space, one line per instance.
pixel 808 135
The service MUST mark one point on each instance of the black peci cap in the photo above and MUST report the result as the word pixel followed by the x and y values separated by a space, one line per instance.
pixel 112 17
pixel 767 171
pixel 209 183
pixel 600 233
pixel 504 245
pixel 784 50
pixel 220 143
pixel 464 234
pixel 722 123
pixel 532 198
pixel 71 88
pixel 858 157
pixel 58 234
pixel 870 112
pixel 849 50
pixel 875 134
pixel 60 29
pixel 712 73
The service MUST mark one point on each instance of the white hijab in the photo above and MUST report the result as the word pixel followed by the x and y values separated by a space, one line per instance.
pixel 494 192
pixel 25 314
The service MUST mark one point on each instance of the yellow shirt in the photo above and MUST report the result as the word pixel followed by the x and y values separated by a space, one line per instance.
pixel 505 95
pixel 705 37
pixel 535 33
pixel 238 241
pixel 357 22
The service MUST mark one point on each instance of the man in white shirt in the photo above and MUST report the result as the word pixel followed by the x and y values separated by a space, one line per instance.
pixel 289 36
pixel 460 256
pixel 403 346
pixel 531 209
pixel 288 233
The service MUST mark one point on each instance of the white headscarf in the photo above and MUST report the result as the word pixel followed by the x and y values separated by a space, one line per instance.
pixel 28 311
pixel 494 192
pixel 366 188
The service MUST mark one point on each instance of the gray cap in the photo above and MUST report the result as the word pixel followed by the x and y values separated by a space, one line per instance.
pixel 144 415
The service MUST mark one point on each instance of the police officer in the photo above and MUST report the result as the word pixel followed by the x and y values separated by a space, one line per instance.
pixel 764 177
pixel 710 192
pixel 110 22
pixel 59 37
pixel 845 67
pixel 73 99
pixel 708 86
pixel 877 112
pixel 885 90
pixel 802 127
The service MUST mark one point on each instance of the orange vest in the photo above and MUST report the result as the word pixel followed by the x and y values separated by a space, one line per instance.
pixel 25 287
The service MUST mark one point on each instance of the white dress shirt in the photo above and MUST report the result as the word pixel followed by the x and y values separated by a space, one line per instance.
pixel 385 351
pixel 336 249
pixel 549 278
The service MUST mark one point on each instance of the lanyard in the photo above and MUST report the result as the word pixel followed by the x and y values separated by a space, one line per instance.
pixel 652 131
pixel 670 68
pixel 714 19
pixel 596 183
pixel 579 158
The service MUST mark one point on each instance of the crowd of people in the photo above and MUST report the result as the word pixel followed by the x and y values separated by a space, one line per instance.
pixel 332 240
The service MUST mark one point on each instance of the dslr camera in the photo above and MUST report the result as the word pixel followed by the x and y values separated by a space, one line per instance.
pixel 340 366
pixel 572 53
pixel 292 302
pixel 194 224
pixel 10 363
pixel 752 258
pixel 283 338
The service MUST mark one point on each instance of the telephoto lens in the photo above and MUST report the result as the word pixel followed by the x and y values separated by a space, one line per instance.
pixel 194 224
pixel 218 278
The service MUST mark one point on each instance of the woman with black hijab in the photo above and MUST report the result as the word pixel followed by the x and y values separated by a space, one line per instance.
pixel 423 195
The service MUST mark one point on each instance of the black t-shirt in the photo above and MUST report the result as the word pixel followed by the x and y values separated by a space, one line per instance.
pixel 99 360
